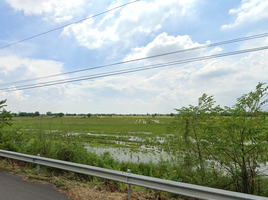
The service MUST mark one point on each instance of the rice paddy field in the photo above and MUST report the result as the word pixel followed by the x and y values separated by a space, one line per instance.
pixel 145 145
pixel 126 138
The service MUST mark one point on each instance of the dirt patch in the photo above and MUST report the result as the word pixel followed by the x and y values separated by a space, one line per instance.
pixel 83 191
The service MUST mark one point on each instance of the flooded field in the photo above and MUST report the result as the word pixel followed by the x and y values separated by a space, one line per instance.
pixel 126 138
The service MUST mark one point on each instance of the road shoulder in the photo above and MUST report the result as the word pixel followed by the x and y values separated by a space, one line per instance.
pixel 14 187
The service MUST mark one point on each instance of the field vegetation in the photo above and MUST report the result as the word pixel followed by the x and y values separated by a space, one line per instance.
pixel 206 145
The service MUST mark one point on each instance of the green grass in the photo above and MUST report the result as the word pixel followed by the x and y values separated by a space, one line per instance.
pixel 116 131
pixel 65 139
pixel 107 125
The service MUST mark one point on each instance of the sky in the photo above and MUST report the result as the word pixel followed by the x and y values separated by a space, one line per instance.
pixel 140 29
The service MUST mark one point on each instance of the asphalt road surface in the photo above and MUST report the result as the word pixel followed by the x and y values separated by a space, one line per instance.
pixel 12 187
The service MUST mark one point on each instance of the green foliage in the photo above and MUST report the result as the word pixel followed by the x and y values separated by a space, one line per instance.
pixel 240 143
pixel 72 152
pixel 5 116
pixel 14 140
pixel 36 114
pixel 209 146
pixel 60 114
pixel 235 144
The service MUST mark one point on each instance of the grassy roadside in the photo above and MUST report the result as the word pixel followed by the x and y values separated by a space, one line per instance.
pixel 77 186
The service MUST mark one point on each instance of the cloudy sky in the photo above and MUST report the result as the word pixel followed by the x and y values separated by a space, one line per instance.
pixel 141 29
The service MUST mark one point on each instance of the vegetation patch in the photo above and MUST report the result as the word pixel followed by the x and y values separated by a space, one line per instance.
pixel 77 186
pixel 207 145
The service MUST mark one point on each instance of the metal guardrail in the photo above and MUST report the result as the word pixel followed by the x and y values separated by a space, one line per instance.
pixel 184 189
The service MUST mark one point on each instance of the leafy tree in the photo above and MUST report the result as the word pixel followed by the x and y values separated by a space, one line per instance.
pixel 61 114
pixel 23 114
pixel 49 113
pixel 5 116
pixel 240 143
pixel 89 115
pixel 193 123
pixel 232 140
pixel 36 114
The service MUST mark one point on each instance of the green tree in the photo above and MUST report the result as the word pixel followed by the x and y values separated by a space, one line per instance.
pixel 36 114
pixel 5 116
pixel 235 143
pixel 5 120
pixel 49 113
pixel 192 124
pixel 89 115
pixel 61 114
pixel 240 143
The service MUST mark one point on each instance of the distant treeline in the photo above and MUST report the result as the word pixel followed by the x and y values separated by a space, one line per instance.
pixel 25 114
pixel 36 114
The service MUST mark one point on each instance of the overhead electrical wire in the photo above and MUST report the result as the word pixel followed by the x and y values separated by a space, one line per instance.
pixel 60 27
pixel 148 57
pixel 264 108
pixel 264 96
pixel 119 72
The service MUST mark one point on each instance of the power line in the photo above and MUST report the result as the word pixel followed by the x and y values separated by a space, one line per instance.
pixel 148 57
pixel 67 25
pixel 119 72
pixel 263 97
pixel 264 106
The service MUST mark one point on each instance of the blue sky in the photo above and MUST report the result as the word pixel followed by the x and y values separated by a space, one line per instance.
pixel 138 30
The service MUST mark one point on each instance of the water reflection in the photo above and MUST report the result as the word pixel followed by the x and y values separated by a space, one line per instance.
pixel 144 154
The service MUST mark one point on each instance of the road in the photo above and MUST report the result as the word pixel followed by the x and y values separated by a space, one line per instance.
pixel 12 187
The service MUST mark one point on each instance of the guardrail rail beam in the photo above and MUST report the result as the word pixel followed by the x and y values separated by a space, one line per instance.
pixel 179 188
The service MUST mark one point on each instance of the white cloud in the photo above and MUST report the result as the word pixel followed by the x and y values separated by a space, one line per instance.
pixel 110 14
pixel 165 43
pixel 214 69
pixel 55 10
pixel 14 95
pixel 85 35
pixel 248 11
pixel 182 85
pixel 254 66
pixel 18 69
pixel 149 17
pixel 153 91
pixel 138 18
pixel 28 6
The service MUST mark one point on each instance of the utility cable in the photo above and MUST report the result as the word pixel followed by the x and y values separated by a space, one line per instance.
pixel 119 72
pixel 67 25
pixel 149 57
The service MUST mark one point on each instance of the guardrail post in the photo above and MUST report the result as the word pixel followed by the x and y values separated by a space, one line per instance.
pixel 38 166
pixel 129 186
